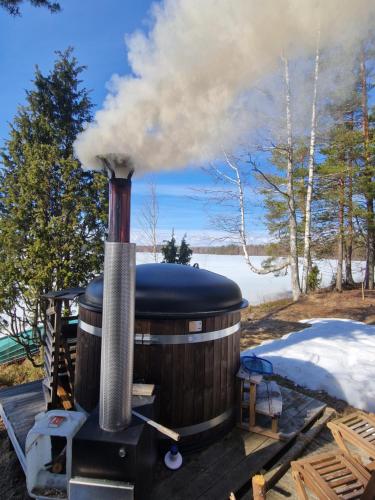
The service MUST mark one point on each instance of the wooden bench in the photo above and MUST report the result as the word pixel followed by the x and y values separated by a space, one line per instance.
pixel 341 475
pixel 333 476
pixel 357 429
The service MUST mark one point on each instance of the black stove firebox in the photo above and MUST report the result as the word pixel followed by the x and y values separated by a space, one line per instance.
pixel 121 462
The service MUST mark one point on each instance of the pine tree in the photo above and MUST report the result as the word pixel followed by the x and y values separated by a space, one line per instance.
pixel 276 200
pixel 52 213
pixel 184 252
pixel 170 250
pixel 338 186
pixel 368 163
pixel 13 6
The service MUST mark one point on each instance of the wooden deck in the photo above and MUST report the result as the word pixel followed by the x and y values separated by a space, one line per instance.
pixel 212 474
pixel 228 465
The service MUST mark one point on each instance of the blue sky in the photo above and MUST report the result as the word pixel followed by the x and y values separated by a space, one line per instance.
pixel 96 30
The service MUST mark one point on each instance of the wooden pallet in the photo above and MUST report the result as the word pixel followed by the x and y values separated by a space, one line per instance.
pixel 358 429
pixel 18 407
pixel 330 475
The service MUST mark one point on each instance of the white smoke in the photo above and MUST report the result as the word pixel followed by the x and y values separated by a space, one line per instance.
pixel 185 99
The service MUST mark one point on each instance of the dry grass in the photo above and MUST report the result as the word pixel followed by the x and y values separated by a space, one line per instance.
pixel 20 372
pixel 12 479
pixel 275 319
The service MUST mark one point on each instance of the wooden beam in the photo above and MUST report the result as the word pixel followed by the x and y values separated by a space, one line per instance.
pixel 143 389
pixel 302 441
pixel 259 487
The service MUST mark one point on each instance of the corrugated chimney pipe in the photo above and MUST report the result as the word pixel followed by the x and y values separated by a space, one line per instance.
pixel 115 409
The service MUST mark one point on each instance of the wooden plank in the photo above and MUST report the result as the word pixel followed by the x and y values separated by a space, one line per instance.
pixel 235 477
pixel 226 465
pixel 208 393
pixel 18 407
pixel 143 389
pixel 203 468
pixel 13 438
pixel 56 354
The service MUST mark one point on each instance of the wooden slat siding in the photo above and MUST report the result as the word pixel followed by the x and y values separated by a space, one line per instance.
pixel 193 389
pixel 167 372
pixel 208 391
pixel 217 369
pixel 199 384
pixel 56 354
pixel 141 360
pixel 225 355
pixel 230 376
pixel 87 372
pixel 196 381
pixel 177 383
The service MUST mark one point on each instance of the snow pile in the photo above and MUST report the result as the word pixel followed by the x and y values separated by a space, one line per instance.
pixel 333 355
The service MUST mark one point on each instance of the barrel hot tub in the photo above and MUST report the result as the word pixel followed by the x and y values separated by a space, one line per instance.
pixel 187 335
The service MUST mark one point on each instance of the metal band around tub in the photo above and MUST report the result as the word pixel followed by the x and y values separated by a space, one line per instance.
pixel 92 330
pixel 152 339
pixel 205 426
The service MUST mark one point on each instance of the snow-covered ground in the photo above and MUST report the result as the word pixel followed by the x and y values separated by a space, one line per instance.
pixel 256 288
pixel 333 355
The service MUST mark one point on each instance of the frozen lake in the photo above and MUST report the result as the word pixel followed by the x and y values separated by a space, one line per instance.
pixel 256 288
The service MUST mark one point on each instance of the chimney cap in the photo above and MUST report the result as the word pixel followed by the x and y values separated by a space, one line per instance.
pixel 117 165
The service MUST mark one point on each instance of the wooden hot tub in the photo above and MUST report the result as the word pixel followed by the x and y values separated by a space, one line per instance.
pixel 187 334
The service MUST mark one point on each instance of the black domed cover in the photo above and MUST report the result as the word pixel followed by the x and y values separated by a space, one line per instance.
pixel 173 290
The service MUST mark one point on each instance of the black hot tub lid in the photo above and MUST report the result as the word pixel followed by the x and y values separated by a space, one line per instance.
pixel 174 291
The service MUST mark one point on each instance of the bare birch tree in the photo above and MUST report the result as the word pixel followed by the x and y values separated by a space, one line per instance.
pixel 307 237
pixel 293 249
pixel 234 223
pixel 149 218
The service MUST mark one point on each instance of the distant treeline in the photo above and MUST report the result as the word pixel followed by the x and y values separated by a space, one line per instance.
pixel 254 250
pixel 220 250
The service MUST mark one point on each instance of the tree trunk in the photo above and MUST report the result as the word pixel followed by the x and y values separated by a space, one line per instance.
pixel 340 239
pixel 368 178
pixel 307 237
pixel 237 181
pixel 350 231
pixel 293 250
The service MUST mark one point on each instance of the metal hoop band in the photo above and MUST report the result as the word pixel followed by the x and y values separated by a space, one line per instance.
pixel 205 426
pixel 155 339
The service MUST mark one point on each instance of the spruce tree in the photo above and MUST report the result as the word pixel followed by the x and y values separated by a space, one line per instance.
pixel 170 250
pixel 184 252
pixel 52 213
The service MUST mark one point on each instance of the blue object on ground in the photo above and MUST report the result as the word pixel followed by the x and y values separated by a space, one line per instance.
pixel 253 364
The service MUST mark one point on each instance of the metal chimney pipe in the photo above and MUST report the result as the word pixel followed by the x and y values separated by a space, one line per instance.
pixel 116 380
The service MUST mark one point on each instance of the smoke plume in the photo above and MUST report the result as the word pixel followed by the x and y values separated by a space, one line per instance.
pixel 185 100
